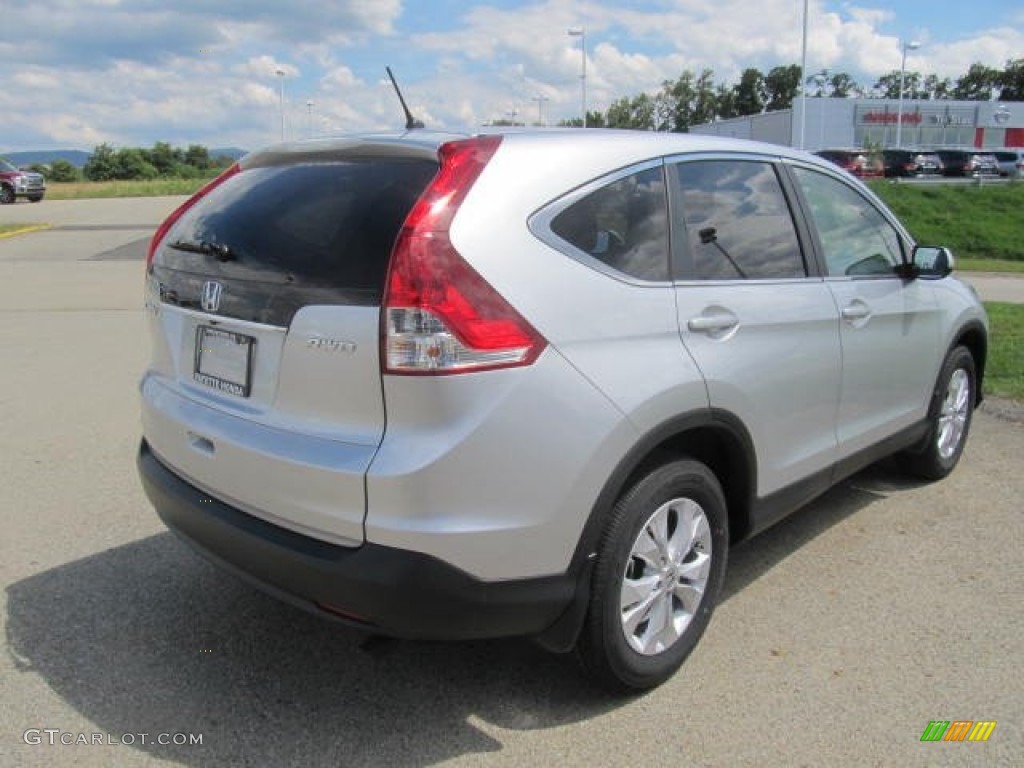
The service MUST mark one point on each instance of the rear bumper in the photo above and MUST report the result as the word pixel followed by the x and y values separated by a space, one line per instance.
pixel 382 589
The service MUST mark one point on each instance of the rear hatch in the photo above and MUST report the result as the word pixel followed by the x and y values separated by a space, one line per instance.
pixel 264 389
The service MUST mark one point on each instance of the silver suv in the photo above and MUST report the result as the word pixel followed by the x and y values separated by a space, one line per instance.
pixel 535 383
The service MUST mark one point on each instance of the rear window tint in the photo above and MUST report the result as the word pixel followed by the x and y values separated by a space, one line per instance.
pixel 624 225
pixel 330 223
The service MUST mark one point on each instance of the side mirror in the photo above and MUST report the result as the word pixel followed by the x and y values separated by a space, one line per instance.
pixel 932 261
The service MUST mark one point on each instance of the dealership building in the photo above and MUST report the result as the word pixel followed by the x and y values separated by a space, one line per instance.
pixel 837 123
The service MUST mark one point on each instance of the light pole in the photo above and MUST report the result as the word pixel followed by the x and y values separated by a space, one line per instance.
pixel 280 74
pixel 803 90
pixel 309 106
pixel 913 45
pixel 581 33
pixel 540 108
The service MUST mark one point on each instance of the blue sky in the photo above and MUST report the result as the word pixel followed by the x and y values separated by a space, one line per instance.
pixel 133 72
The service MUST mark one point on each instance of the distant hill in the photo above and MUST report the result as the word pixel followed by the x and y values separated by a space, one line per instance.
pixel 78 158
pixel 46 156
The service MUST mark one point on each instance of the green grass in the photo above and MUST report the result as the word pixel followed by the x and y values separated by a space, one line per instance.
pixel 1004 371
pixel 79 190
pixel 977 222
pixel 989 265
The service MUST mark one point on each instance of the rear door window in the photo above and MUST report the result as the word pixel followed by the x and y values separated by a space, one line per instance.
pixel 737 222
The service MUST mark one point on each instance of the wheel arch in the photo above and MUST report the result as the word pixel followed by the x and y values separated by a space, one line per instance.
pixel 974 337
pixel 715 438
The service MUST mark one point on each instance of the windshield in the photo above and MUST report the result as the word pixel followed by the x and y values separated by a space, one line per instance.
pixel 7 166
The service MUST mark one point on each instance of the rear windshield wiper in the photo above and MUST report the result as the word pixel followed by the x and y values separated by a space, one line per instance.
pixel 220 251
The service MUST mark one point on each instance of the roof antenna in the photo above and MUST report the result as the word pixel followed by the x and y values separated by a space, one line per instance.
pixel 410 121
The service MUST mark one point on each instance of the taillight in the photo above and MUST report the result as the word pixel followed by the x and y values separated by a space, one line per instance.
pixel 178 212
pixel 439 315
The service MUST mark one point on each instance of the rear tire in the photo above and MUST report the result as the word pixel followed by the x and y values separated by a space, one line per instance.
pixel 950 418
pixel 659 569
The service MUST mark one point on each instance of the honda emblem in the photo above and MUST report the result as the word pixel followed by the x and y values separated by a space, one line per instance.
pixel 210 299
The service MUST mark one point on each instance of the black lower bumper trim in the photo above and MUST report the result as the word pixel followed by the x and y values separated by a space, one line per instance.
pixel 387 590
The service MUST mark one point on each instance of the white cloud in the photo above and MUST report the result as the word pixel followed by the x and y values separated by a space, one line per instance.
pixel 266 66
pixel 79 73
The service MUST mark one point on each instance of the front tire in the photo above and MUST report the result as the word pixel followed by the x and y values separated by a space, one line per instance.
pixel 34 198
pixel 6 194
pixel 950 416
pixel 660 566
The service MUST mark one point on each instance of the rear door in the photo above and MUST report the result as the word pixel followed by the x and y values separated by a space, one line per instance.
pixel 265 386
pixel 760 325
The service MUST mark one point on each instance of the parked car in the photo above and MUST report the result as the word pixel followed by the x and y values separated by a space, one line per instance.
pixel 535 383
pixel 1011 162
pixel 15 183
pixel 911 163
pixel 968 162
pixel 856 161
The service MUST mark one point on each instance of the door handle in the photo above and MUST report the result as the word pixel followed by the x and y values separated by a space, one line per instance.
pixel 714 322
pixel 855 312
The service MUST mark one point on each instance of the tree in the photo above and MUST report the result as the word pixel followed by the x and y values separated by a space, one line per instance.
pixel 198 157
pixel 672 104
pixel 636 113
pixel 725 101
pixel 977 84
pixel 1011 81
pixel 164 158
pixel 750 93
pixel 685 101
pixel 594 120
pixel 133 164
pixel 936 87
pixel 101 165
pixel 705 103
pixel 888 85
pixel 781 84
pixel 62 170
pixel 843 86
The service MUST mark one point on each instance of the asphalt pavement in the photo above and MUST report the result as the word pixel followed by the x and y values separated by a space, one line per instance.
pixel 844 631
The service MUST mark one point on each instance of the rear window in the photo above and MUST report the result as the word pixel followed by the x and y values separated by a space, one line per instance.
pixel 329 223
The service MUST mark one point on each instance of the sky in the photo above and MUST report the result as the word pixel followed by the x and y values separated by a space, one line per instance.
pixel 77 73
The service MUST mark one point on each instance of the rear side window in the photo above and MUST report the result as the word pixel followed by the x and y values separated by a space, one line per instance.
pixel 737 221
pixel 624 225
pixel 329 223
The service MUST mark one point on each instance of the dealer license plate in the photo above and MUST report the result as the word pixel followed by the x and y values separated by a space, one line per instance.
pixel 224 360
